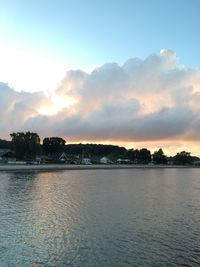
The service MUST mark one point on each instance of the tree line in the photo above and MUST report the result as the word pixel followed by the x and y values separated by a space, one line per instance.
pixel 27 145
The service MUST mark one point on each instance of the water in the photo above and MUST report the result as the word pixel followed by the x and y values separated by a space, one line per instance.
pixel 140 217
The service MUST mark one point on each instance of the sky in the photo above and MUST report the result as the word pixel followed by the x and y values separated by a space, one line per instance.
pixel 122 72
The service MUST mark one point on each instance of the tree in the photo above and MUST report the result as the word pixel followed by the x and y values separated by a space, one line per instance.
pixel 94 149
pixel 183 158
pixel 25 145
pixel 144 155
pixel 159 157
pixel 140 156
pixel 53 144
pixel 130 153
pixel 4 144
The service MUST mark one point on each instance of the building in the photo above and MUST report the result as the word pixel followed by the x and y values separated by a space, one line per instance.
pixel 86 161
pixel 59 156
pixel 105 160
pixel 123 161
pixel 6 154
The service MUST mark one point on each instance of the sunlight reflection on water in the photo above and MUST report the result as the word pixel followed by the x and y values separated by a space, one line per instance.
pixel 92 218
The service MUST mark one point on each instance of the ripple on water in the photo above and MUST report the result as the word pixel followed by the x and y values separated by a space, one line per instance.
pixel 100 218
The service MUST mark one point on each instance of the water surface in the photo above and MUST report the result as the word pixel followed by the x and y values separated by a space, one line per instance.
pixel 88 218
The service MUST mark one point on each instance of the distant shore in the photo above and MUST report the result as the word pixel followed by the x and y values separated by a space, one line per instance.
pixel 54 167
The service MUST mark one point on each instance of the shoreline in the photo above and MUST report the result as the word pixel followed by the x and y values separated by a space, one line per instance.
pixel 55 167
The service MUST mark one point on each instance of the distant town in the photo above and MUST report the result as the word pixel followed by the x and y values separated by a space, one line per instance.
pixel 27 148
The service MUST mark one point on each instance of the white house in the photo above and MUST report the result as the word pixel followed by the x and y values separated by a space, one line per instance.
pixel 104 160
pixel 86 161
pixel 59 156
pixel 123 161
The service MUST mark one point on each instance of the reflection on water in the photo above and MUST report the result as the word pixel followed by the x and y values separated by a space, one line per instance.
pixel 94 218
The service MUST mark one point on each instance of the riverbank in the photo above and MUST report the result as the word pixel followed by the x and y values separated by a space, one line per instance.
pixel 54 167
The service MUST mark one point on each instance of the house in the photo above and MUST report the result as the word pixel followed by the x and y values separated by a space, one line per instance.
pixel 105 160
pixel 59 156
pixel 86 161
pixel 6 154
pixel 123 161
pixel 42 159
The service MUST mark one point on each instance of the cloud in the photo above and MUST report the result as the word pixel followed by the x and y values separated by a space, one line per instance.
pixel 17 108
pixel 143 100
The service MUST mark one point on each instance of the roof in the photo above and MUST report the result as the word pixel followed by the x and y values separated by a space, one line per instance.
pixel 4 151
pixel 58 155
pixel 104 158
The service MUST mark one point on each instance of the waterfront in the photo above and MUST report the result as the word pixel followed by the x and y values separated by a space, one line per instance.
pixel 130 217
pixel 57 167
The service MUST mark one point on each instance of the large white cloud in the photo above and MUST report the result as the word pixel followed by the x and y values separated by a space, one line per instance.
pixel 143 100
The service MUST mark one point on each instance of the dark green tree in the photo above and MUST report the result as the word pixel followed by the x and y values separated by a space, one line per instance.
pixel 130 153
pixel 139 156
pixel 4 144
pixel 183 158
pixel 159 157
pixel 53 145
pixel 143 155
pixel 95 149
pixel 25 145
